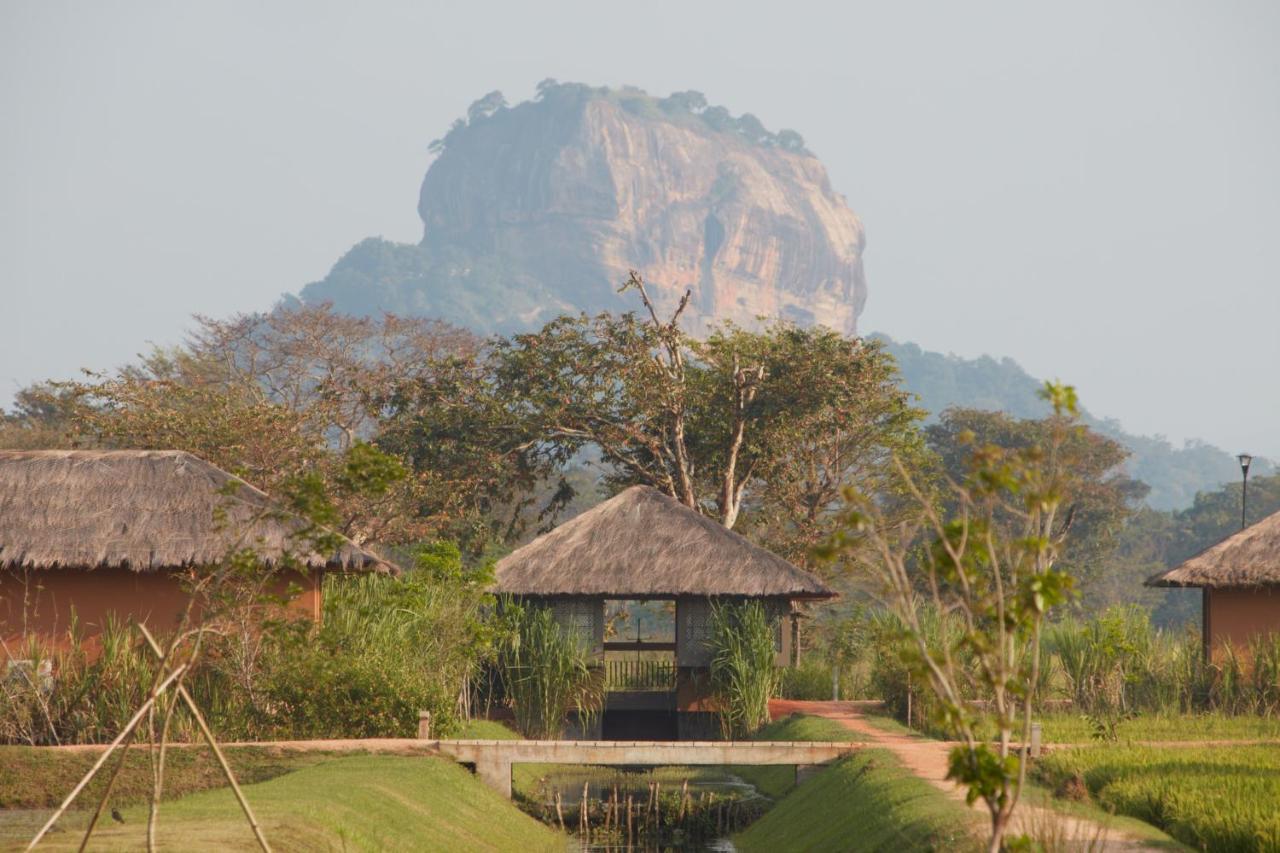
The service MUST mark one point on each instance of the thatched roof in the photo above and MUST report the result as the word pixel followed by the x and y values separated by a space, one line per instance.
pixel 643 543
pixel 1249 558
pixel 143 509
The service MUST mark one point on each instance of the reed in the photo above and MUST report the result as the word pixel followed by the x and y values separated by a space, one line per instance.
pixel 743 677
pixel 546 671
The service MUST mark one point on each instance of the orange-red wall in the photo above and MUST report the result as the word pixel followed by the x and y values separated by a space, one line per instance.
pixel 1238 615
pixel 40 602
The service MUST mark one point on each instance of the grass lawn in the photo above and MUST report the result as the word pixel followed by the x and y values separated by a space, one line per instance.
pixel 361 802
pixel 38 778
pixel 1213 798
pixel 776 780
pixel 866 801
pixel 479 729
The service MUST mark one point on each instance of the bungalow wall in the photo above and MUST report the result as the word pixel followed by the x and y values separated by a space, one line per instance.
pixel 1238 615
pixel 40 602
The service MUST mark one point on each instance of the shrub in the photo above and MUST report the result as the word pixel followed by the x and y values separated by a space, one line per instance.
pixel 811 680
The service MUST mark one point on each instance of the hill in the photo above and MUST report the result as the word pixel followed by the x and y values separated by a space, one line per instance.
pixel 1175 474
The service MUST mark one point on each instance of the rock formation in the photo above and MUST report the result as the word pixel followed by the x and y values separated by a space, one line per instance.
pixel 540 209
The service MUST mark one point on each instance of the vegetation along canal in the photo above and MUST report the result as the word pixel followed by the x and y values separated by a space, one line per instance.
pixel 662 808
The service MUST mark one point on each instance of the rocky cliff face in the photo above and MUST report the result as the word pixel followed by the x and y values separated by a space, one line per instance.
pixel 540 209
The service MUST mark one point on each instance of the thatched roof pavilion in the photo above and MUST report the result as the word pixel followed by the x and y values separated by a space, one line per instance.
pixel 1240 582
pixel 642 544
pixel 640 549
pixel 144 510
pixel 1250 558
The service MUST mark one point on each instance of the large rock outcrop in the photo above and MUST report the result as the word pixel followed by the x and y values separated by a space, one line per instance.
pixel 541 209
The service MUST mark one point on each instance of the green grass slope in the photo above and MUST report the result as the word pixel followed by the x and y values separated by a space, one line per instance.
pixel 866 801
pixel 364 802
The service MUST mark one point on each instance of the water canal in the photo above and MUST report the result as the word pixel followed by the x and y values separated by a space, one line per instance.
pixel 683 809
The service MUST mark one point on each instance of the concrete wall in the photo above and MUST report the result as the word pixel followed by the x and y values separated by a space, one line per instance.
pixel 40 602
pixel 1238 615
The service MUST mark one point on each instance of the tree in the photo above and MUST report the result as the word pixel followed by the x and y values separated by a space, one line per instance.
pixel 714 424
pixel 829 412
pixel 984 561
pixel 685 102
pixel 276 398
pixel 789 140
pixel 486 106
pixel 752 128
pixel 718 118
pixel 1101 496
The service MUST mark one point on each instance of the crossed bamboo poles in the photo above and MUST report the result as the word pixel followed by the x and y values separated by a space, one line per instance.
pixel 173 678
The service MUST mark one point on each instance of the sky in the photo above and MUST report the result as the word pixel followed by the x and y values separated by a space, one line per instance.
pixel 1090 188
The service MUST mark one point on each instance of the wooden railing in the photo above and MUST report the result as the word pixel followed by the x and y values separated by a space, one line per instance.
pixel 639 675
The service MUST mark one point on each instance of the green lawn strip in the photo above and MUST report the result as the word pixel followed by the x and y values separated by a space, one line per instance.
pixel 892 726
pixel 364 802
pixel 487 730
pixel 774 781
pixel 1215 798
pixel 39 777
pixel 866 801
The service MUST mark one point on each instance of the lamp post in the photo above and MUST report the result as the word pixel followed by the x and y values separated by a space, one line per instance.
pixel 1245 460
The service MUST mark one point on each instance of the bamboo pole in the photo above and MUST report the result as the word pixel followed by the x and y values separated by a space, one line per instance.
pixel 217 750
pixel 128 729
pixel 106 794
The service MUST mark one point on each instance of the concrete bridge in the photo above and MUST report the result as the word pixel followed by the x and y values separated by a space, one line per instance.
pixel 492 759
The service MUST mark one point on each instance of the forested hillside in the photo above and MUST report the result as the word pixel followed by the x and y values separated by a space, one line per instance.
pixel 1175 474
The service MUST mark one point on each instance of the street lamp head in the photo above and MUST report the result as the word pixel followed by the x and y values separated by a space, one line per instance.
pixel 1245 459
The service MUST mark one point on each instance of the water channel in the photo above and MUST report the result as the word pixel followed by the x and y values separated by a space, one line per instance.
pixel 679 809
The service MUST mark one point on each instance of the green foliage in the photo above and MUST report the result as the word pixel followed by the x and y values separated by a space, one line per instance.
pixel 1219 798
pixel 773 422
pixel 546 671
pixel 811 680
pixel 386 648
pixel 742 665
pixel 1064 727
pixel 797 727
pixel 1099 497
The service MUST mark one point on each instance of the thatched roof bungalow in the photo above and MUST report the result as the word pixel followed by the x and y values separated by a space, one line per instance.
pixel 642 545
pixel 1240 579
pixel 110 532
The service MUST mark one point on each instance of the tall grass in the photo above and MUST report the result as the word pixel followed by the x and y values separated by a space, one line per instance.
pixel 742 665
pixel 1118 664
pixel 63 694
pixel 546 671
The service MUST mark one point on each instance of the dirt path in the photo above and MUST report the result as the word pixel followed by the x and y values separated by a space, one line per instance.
pixel 928 760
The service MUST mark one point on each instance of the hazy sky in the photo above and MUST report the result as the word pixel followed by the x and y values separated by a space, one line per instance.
pixel 1090 188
